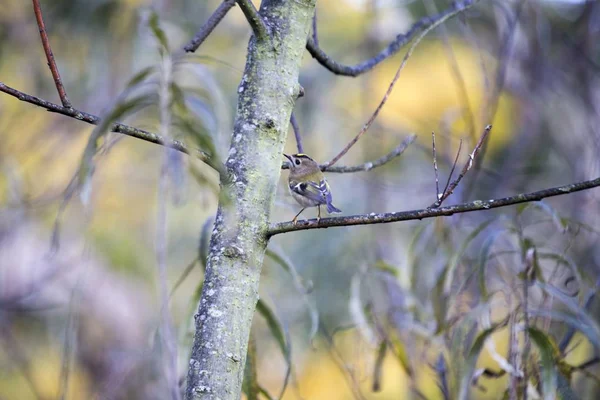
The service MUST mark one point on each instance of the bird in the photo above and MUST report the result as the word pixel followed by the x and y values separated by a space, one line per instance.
pixel 308 185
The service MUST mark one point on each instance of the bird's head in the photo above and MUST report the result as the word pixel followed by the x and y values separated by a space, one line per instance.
pixel 301 164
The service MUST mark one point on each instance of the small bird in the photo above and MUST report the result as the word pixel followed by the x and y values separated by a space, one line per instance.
pixel 308 185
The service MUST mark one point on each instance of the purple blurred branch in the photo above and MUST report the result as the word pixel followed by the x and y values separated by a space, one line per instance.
pixel 210 24
pixel 402 39
pixel 294 123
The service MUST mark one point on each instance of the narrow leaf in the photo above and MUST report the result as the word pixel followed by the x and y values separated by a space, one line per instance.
pixel 250 385
pixel 399 350
pixel 483 259
pixel 379 366
pixel 548 353
pixel 471 361
pixel 204 241
pixel 357 311
pixel 280 336
pixel 159 34
pixel 282 260
pixel 458 255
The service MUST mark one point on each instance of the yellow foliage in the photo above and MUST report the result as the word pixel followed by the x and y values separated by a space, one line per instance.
pixel 41 379
pixel 429 96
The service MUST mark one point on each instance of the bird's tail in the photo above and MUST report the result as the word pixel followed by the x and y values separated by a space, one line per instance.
pixel 332 209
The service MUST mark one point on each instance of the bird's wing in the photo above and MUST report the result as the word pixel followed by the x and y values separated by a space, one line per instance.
pixel 316 192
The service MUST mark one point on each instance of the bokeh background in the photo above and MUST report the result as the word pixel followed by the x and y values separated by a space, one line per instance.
pixel 80 321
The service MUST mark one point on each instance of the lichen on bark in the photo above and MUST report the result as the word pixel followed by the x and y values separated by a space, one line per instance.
pixel 266 95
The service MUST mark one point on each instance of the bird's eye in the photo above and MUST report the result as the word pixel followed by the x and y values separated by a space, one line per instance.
pixel 297 162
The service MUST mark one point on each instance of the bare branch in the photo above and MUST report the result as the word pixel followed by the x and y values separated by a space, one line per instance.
pixel 294 123
pixel 62 93
pixel 423 24
pixel 451 174
pixel 478 205
pixel 116 127
pixel 315 34
pixel 373 164
pixel 210 24
pixel 254 19
pixel 412 48
pixel 435 167
pixel 368 165
pixel 469 164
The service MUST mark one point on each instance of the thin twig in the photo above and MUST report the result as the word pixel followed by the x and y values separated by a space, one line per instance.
pixel 254 19
pixel 468 165
pixel 412 48
pixel 62 93
pixel 94 120
pixel 294 123
pixel 478 205
pixel 435 167
pixel 461 87
pixel 368 166
pixel 210 24
pixel 451 174
pixel 588 363
pixel 423 24
pixel 372 164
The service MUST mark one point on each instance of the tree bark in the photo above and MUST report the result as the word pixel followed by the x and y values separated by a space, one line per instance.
pixel 267 93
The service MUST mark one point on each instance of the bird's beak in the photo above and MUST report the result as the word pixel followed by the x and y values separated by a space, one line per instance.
pixel 290 163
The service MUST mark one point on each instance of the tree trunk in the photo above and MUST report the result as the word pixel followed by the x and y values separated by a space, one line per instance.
pixel 267 93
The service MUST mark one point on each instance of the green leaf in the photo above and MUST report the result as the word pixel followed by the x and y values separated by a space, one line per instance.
pixel 264 392
pixel 407 280
pixel 454 261
pixel 548 354
pixel 574 321
pixel 471 361
pixel 399 350
pixel 358 310
pixel 159 34
pixel 119 110
pixel 545 207
pixel 439 302
pixel 204 241
pixel 250 384
pixel 377 368
pixel 587 303
pixel 183 276
pixel 139 77
pixel 279 257
pixel 384 267
pixel 280 336
pixel 562 259
pixel 483 259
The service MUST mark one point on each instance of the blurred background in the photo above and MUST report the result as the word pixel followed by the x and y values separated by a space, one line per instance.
pixel 374 312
